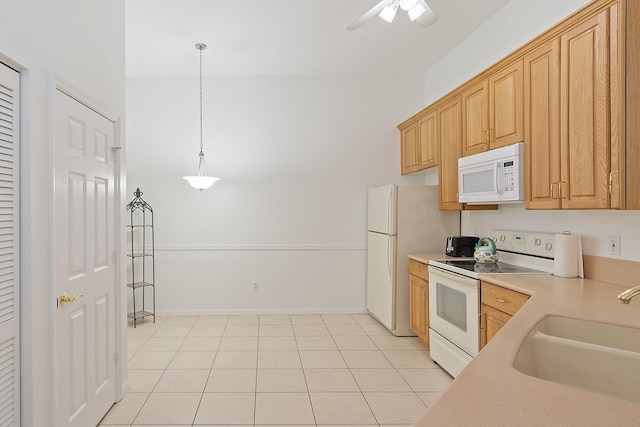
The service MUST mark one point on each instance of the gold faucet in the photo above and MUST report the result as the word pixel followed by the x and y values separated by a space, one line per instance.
pixel 626 296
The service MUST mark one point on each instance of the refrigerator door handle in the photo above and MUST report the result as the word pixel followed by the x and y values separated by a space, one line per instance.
pixel 389 260
pixel 390 229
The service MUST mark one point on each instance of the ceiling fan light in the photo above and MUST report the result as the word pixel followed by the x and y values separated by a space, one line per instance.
pixel 408 4
pixel 389 12
pixel 416 11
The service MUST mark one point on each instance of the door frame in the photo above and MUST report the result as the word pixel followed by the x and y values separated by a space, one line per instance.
pixel 120 321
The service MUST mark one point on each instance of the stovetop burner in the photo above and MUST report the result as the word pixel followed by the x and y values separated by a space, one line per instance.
pixel 500 267
pixel 470 268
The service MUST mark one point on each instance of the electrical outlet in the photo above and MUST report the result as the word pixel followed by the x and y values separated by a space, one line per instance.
pixel 614 245
pixel 256 286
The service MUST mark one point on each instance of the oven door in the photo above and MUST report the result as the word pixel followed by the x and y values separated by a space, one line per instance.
pixel 454 304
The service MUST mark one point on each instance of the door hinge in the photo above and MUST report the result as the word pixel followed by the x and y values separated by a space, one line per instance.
pixel 115 151
pixel 116 357
pixel 115 257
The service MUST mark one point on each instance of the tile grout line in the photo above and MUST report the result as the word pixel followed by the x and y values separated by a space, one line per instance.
pixel 195 415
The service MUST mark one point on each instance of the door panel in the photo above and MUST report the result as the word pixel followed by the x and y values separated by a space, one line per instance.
pixel 585 112
pixel 84 239
pixel 449 125
pixel 9 247
pixel 475 119
pixel 542 126
pixel 381 278
pixel 381 209
pixel 506 106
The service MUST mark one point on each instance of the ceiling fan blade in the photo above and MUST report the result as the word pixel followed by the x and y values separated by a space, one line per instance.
pixel 428 17
pixel 368 15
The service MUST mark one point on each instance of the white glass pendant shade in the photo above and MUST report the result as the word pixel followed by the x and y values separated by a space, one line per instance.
pixel 201 181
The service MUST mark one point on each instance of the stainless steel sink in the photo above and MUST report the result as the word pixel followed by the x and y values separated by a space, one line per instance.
pixel 596 357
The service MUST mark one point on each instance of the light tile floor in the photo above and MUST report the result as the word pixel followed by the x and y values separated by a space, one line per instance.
pixel 302 370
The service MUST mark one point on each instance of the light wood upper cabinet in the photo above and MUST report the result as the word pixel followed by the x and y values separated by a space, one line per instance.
pixel 475 118
pixel 584 111
pixel 573 96
pixel 492 111
pixel 506 105
pixel 409 148
pixel 428 137
pixel 419 144
pixel 542 126
pixel 449 123
pixel 568 150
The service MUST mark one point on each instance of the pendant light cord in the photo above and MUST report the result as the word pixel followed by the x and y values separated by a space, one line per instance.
pixel 201 49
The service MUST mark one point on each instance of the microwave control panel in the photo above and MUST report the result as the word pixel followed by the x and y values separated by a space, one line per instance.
pixel 509 176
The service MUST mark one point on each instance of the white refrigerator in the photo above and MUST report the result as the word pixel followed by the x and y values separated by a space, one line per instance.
pixel 402 219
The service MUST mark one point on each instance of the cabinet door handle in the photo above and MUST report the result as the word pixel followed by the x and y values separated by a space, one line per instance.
pixel 500 300
pixel 611 181
pixel 560 186
pixel 554 184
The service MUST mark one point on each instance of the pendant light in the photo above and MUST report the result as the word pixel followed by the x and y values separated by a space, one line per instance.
pixel 201 181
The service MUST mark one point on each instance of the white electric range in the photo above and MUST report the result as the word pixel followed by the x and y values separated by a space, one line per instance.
pixel 454 293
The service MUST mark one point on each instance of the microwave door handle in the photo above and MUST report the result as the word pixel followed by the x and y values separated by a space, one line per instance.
pixel 499 185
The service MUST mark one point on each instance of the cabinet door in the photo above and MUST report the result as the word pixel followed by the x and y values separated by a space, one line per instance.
pixel 475 119
pixel 506 106
pixel 409 149
pixel 428 141
pixel 584 110
pixel 542 126
pixel 491 321
pixel 419 308
pixel 449 123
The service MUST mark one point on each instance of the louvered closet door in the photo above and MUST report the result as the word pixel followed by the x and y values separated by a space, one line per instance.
pixel 9 239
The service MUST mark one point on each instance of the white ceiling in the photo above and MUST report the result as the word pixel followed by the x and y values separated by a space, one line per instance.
pixel 289 37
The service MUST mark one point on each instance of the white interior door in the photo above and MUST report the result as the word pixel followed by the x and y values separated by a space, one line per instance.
pixel 84 237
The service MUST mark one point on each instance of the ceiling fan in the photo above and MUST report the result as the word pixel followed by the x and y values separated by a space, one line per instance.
pixel 418 11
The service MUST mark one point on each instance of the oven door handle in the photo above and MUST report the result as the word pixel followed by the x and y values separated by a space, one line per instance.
pixel 451 276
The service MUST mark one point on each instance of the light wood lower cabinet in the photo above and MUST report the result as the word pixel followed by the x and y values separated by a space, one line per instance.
pixel 497 306
pixel 419 301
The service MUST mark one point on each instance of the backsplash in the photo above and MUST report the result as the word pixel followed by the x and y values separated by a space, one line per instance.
pixel 595 226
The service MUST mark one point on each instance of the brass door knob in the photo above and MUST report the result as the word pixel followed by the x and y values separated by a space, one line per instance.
pixel 65 299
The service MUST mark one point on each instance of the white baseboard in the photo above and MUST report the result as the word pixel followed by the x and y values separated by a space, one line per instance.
pixel 247 312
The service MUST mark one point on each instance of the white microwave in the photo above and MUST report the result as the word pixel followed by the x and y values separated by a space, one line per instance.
pixel 495 176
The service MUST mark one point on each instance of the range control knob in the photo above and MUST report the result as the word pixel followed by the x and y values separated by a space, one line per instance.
pixel 503 237
pixel 548 246
pixel 537 241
